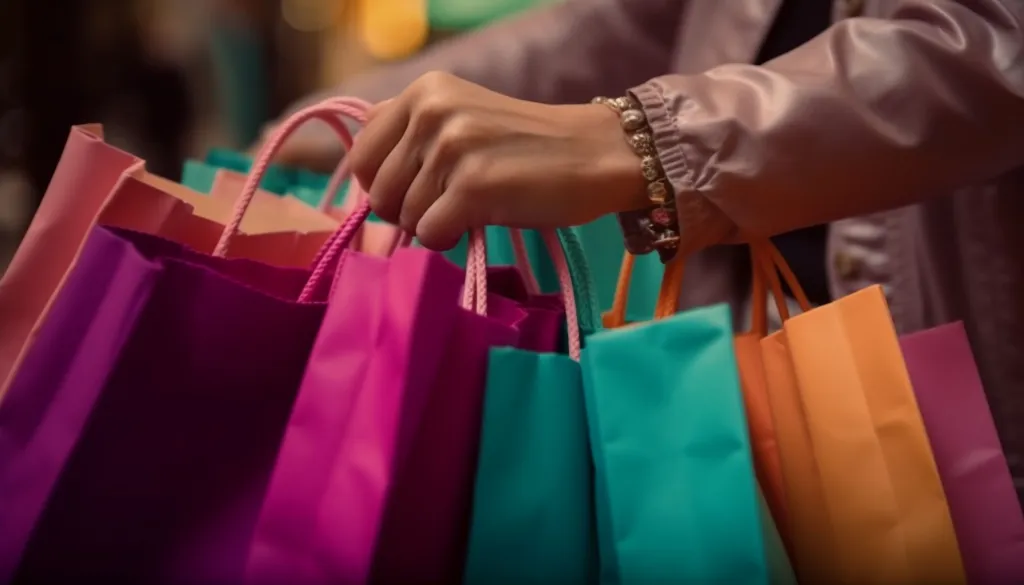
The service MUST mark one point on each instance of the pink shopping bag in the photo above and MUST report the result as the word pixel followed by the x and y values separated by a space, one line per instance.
pixel 982 501
pixel 375 473
pixel 374 479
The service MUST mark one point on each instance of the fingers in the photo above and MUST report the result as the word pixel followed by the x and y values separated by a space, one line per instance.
pixel 442 224
pixel 375 143
pixel 393 180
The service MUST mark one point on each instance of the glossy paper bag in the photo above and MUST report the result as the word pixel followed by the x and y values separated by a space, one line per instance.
pixel 676 497
pixel 975 477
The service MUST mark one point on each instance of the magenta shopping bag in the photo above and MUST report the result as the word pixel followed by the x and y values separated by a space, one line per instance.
pixel 982 500
pixel 425 531
pixel 137 439
pixel 374 478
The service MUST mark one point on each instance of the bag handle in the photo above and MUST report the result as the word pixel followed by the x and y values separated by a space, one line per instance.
pixel 769 263
pixel 475 290
pixel 766 263
pixel 331 112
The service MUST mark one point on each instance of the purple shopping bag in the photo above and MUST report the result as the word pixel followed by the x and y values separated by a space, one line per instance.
pixel 982 500
pixel 137 440
pixel 378 461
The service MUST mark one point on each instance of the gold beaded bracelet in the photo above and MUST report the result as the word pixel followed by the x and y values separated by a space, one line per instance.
pixel 655 228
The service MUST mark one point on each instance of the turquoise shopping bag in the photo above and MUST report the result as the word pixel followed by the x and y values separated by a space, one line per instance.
pixel 532 504
pixel 601 241
pixel 300 183
pixel 675 495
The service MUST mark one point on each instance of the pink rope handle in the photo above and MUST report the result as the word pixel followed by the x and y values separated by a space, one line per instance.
pixel 474 292
pixel 523 261
pixel 357 194
pixel 330 111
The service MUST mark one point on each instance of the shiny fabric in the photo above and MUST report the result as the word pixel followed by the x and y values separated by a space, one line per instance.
pixel 923 117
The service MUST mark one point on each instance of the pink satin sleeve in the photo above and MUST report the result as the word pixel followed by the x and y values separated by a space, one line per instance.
pixel 871 115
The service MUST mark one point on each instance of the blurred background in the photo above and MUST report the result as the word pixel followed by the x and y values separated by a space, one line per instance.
pixel 169 79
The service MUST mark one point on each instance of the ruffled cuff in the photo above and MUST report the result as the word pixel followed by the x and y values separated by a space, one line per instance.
pixel 701 223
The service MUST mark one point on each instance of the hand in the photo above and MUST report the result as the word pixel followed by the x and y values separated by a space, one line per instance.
pixel 447 155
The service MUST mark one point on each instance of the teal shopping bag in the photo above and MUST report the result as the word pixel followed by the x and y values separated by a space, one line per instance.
pixel 532 506
pixel 602 244
pixel 305 185
pixel 675 495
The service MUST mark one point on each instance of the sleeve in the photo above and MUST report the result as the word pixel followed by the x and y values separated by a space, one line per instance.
pixel 564 53
pixel 871 115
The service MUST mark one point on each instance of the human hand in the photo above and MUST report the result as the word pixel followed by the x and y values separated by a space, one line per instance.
pixel 447 155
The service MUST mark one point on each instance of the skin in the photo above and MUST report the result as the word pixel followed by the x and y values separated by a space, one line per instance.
pixel 447 156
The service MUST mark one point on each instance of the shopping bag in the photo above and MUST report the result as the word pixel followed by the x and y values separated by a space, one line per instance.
pixel 374 237
pixel 977 482
pixel 375 472
pixel 309 187
pixel 865 500
pixel 601 241
pixel 97 183
pixel 425 528
pixel 675 493
pixel 532 516
pixel 122 458
pixel 747 346
pixel 140 432
pixel 753 380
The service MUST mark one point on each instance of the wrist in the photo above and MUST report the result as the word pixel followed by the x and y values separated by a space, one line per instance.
pixel 652 225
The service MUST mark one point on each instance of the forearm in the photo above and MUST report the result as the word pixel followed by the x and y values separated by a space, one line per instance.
pixel 872 115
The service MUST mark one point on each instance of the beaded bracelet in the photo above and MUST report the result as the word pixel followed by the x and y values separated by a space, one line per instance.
pixel 655 228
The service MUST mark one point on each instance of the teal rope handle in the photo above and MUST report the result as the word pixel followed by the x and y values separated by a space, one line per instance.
pixel 587 306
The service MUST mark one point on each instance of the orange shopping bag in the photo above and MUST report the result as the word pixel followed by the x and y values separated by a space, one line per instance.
pixel 864 498
pixel 97 183
pixel 377 238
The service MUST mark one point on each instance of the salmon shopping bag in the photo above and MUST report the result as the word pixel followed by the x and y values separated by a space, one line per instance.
pixel 96 183
pixel 865 500
pixel 676 497
pixel 532 502
pixel 374 237
pixel 982 500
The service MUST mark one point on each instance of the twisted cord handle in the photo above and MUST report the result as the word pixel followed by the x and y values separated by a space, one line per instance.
pixel 330 112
